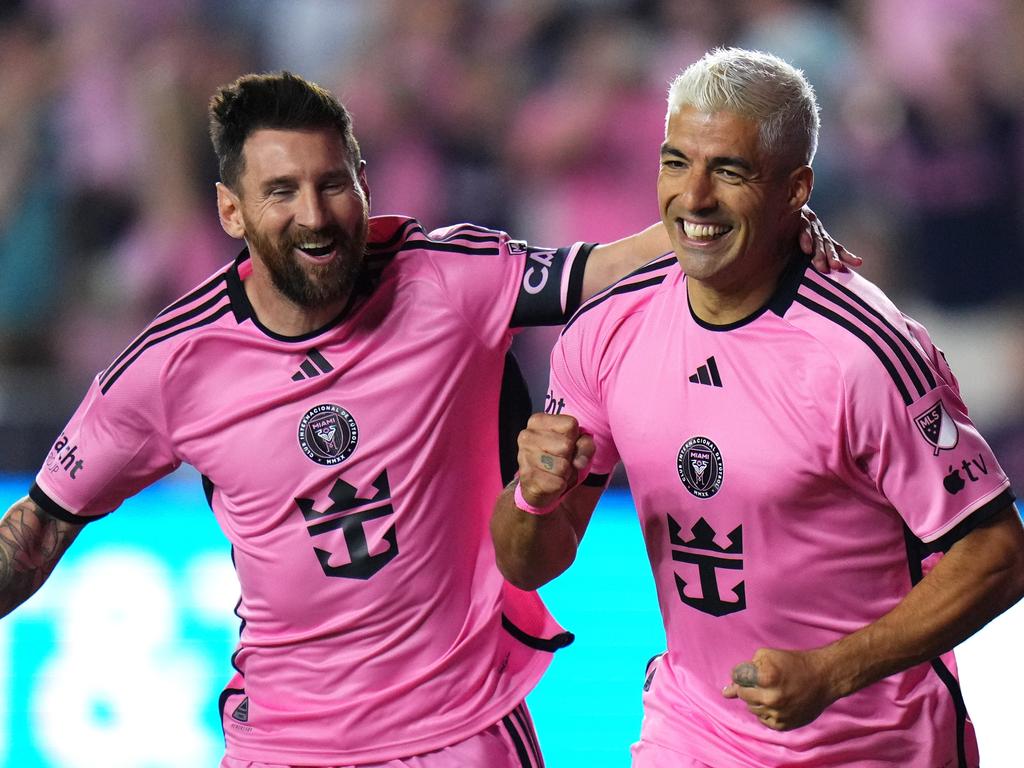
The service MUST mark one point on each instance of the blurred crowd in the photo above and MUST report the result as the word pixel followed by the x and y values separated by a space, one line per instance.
pixel 541 117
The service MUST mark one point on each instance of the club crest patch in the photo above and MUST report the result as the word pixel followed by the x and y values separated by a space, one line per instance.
pixel 328 434
pixel 938 428
pixel 700 467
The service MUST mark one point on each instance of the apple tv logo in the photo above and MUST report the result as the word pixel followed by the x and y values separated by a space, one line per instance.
pixel 954 482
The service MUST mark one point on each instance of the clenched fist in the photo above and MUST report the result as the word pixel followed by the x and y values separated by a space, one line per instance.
pixel 553 452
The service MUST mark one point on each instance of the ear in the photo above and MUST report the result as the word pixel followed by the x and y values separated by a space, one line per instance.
pixel 361 177
pixel 229 209
pixel 801 182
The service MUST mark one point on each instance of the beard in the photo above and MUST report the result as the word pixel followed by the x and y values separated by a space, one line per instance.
pixel 306 284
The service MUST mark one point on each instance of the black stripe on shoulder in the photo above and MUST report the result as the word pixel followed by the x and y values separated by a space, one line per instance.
pixel 53 509
pixel 206 320
pixel 404 231
pixel 549 644
pixel 842 322
pixel 156 328
pixel 469 232
pixel 202 290
pixel 617 289
pixel 654 266
pixel 433 245
pixel 896 341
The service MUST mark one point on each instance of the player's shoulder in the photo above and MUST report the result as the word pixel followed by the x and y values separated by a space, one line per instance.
pixel 863 330
pixel 210 304
pixel 404 244
pixel 627 298
pixel 402 234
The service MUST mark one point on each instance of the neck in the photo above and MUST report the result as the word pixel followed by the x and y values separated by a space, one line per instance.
pixel 724 303
pixel 279 314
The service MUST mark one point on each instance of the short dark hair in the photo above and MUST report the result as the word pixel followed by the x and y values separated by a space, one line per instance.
pixel 278 100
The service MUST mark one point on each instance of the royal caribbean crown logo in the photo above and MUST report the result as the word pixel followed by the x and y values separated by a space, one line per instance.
pixel 328 434
pixel 700 467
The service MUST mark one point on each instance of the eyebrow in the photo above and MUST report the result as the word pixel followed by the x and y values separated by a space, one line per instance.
pixel 733 161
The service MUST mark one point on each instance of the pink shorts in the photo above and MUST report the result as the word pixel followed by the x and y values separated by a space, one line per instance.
pixel 509 743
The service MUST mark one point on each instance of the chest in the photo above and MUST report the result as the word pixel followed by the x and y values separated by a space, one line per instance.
pixel 709 419
pixel 362 403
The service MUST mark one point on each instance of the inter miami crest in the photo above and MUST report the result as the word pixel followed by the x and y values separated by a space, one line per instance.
pixel 938 428
pixel 328 434
pixel 700 467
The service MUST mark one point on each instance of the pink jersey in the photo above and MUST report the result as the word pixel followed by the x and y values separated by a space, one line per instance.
pixel 791 471
pixel 353 470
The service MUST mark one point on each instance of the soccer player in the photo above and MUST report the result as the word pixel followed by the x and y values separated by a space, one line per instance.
pixel 787 531
pixel 338 385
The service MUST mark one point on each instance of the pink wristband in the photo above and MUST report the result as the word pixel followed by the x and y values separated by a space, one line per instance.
pixel 526 506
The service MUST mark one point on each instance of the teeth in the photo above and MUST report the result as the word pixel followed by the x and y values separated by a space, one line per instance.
pixel 703 231
pixel 315 245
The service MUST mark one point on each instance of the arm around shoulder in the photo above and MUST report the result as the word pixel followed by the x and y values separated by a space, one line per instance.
pixel 31 543
pixel 610 262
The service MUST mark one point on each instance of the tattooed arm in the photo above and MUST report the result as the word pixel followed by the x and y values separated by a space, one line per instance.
pixel 31 543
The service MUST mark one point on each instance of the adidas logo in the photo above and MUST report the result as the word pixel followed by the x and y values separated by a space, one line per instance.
pixel 707 374
pixel 312 366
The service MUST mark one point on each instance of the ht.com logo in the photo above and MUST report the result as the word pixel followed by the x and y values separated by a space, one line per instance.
pixel 350 514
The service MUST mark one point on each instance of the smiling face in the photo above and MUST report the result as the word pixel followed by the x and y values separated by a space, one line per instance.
pixel 303 208
pixel 731 212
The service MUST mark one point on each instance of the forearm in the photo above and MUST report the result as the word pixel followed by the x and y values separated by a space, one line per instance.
pixel 31 544
pixel 531 549
pixel 979 578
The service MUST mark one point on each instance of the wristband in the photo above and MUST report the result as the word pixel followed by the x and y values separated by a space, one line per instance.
pixel 526 506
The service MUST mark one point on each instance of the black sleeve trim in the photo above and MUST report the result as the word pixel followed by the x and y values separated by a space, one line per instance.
pixel 596 481
pixel 549 644
pixel 574 296
pixel 539 300
pixel 53 509
pixel 981 515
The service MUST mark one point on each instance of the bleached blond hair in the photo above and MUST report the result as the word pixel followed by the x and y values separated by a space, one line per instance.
pixel 758 86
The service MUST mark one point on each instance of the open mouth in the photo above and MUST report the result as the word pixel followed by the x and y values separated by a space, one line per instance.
pixel 316 250
pixel 703 232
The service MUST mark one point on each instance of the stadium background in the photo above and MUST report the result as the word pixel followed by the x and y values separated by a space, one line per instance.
pixel 542 118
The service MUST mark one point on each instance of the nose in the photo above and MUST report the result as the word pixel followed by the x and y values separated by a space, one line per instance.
pixel 311 210
pixel 698 194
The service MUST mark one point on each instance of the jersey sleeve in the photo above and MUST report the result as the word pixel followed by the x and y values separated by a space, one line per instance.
pixel 574 391
pixel 923 452
pixel 114 446
pixel 498 283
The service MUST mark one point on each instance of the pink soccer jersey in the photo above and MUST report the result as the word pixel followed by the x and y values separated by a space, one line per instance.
pixel 353 470
pixel 790 471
